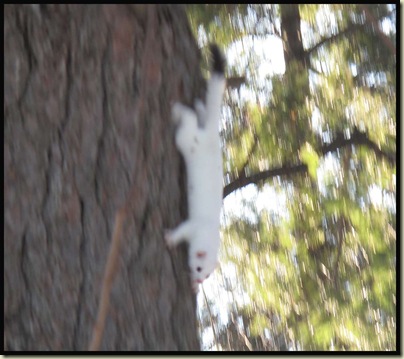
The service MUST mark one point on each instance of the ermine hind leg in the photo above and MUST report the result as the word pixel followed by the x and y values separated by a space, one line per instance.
pixel 187 129
pixel 200 111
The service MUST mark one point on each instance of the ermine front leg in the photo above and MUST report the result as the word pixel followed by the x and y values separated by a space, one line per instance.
pixel 179 234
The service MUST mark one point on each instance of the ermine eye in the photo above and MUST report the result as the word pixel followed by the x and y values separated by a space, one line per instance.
pixel 199 269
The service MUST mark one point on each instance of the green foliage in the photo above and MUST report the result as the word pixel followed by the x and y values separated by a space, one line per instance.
pixel 210 22
pixel 320 272
pixel 309 157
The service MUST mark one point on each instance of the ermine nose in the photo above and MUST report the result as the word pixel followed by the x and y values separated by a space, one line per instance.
pixel 199 281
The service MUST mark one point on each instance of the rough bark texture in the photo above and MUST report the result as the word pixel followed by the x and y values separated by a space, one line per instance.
pixel 87 119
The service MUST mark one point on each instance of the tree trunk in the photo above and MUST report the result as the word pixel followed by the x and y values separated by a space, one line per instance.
pixel 291 34
pixel 87 122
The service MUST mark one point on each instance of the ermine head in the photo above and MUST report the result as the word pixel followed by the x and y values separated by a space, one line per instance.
pixel 203 259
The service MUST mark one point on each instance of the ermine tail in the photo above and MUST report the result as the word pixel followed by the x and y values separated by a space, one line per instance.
pixel 216 87
pixel 218 62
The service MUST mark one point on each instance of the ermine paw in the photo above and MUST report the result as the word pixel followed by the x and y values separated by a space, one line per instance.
pixel 199 105
pixel 176 112
pixel 169 239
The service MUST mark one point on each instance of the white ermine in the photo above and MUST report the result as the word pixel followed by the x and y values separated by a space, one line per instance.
pixel 197 138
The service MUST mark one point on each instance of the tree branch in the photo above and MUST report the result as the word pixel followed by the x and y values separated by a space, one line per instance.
pixel 374 22
pixel 357 138
pixel 286 170
pixel 109 275
pixel 349 30
pixel 370 19
pixel 211 319
pixel 235 82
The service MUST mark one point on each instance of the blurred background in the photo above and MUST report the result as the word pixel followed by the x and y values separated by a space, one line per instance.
pixel 309 142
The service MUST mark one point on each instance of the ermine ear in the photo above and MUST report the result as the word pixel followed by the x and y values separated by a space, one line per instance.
pixel 201 254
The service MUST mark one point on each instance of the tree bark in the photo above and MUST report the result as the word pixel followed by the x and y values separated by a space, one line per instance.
pixel 291 34
pixel 88 90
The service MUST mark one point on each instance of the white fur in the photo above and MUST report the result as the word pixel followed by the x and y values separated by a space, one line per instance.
pixel 200 147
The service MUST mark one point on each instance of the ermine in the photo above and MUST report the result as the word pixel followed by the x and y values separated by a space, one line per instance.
pixel 197 138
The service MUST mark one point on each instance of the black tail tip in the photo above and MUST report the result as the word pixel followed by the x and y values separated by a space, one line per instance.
pixel 218 62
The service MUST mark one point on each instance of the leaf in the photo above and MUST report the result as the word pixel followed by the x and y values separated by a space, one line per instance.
pixel 310 157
